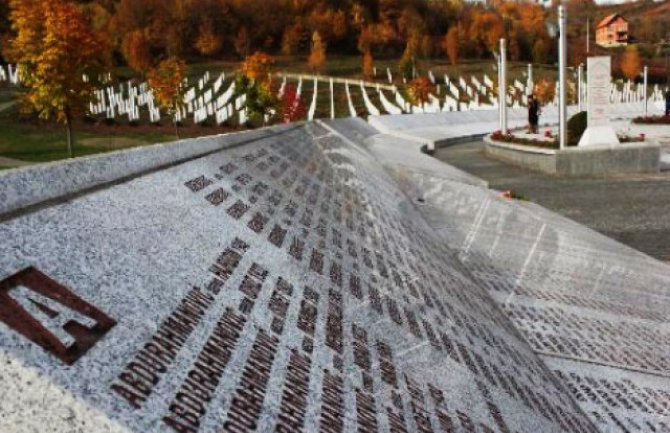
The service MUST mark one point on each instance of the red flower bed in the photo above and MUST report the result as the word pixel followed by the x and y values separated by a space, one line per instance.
pixel 511 138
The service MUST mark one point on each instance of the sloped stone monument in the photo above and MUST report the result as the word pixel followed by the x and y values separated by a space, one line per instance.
pixel 283 285
pixel 599 131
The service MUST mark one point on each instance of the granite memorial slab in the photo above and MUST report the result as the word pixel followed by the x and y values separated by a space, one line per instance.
pixel 596 311
pixel 599 78
pixel 285 284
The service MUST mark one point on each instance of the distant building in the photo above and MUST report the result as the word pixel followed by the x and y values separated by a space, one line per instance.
pixel 612 31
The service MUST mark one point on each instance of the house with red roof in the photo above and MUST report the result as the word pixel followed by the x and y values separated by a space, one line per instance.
pixel 612 31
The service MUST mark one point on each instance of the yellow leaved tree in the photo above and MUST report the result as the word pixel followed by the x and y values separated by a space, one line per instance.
pixel 166 82
pixel 317 56
pixel 59 57
pixel 631 65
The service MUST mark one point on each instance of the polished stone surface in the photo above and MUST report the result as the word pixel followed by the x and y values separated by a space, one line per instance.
pixel 318 281
pixel 595 310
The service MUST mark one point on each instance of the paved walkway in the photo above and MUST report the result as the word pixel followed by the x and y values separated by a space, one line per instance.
pixel 12 163
pixel 634 210
pixel 6 105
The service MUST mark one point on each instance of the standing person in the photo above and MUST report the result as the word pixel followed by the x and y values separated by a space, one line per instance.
pixel 529 104
pixel 533 113
pixel 667 102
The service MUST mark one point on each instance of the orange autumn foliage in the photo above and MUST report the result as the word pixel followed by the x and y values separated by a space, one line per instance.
pixel 166 82
pixel 257 66
pixel 368 66
pixel 135 49
pixel 631 65
pixel 59 57
pixel 317 57
pixel 208 43
pixel 419 90
pixel 450 44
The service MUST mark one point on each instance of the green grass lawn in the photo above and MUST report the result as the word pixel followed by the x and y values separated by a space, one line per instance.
pixel 350 66
pixel 38 141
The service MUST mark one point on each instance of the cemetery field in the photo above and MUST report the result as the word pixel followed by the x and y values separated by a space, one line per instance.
pixel 213 107
pixel 32 140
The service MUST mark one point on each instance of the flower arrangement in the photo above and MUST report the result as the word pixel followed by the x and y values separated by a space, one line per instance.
pixel 511 138
pixel 652 120
pixel 512 195
pixel 625 138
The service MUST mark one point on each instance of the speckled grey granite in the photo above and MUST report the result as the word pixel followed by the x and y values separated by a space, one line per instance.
pixel 619 159
pixel 595 310
pixel 353 312
pixel 37 183
pixel 398 151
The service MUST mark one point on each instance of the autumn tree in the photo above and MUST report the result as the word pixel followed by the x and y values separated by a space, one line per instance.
pixel 450 44
pixel 631 65
pixel 166 81
pixel 541 51
pixel 5 24
pixel 255 81
pixel 427 47
pixel 136 51
pixel 59 57
pixel 407 61
pixel 292 105
pixel 291 38
pixel 242 42
pixel 545 91
pixel 368 65
pixel 204 27
pixel 257 66
pixel 419 90
pixel 330 24
pixel 208 43
pixel 317 56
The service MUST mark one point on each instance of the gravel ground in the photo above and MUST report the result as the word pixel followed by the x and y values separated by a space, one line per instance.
pixel 634 210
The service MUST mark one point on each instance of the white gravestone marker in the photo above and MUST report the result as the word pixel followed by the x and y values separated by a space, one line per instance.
pixel 599 131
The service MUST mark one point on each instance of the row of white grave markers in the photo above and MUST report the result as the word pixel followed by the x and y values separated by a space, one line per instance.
pixel 282 88
pixel 208 98
pixel 198 100
pixel 400 101
pixel 10 75
pixel 312 105
pixel 478 92
pixel 352 109
pixel 111 102
pixel 387 105
pixel 298 90
pixel 332 98
pixel 369 106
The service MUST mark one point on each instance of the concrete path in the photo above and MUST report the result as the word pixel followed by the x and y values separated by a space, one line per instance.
pixel 7 105
pixel 11 162
pixel 633 210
